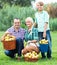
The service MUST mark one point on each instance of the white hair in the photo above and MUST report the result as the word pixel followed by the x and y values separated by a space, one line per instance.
pixel 29 19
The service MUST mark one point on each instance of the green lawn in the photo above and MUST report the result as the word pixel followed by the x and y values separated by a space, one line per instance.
pixel 4 60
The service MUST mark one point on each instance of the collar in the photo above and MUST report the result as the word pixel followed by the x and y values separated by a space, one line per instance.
pixel 40 12
pixel 14 29
pixel 30 29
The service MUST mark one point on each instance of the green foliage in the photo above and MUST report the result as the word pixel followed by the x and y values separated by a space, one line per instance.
pixel 16 2
pixel 53 24
pixel 52 10
pixel 8 13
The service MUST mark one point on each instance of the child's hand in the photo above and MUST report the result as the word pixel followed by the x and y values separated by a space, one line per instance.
pixel 44 34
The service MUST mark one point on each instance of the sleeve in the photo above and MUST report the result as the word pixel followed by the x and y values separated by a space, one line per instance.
pixel 26 36
pixel 35 18
pixel 8 30
pixel 46 17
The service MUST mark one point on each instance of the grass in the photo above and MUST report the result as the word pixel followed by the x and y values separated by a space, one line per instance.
pixel 4 60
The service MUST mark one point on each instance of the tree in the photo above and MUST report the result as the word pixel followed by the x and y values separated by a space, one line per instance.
pixel 17 2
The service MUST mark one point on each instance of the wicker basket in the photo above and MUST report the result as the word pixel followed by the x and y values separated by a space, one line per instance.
pixel 9 45
pixel 30 59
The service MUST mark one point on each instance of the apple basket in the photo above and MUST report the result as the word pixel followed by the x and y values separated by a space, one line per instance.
pixel 9 42
pixel 30 59
pixel 31 56
pixel 9 45
pixel 44 45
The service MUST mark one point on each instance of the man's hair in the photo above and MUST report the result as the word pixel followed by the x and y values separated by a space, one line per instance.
pixel 17 18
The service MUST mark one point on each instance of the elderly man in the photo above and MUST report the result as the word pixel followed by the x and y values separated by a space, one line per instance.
pixel 18 32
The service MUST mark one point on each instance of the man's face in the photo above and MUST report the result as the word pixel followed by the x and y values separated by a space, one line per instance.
pixel 16 23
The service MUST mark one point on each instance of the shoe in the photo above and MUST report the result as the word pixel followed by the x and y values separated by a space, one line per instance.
pixel 43 57
pixel 49 58
pixel 19 58
pixel 12 57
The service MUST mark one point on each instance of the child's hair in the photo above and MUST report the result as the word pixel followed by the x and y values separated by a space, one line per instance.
pixel 41 3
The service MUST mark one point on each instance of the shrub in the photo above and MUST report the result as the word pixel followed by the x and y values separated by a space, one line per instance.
pixel 53 24
pixel 52 10
pixel 8 13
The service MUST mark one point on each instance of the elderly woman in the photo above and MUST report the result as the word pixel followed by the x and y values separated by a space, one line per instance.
pixel 31 37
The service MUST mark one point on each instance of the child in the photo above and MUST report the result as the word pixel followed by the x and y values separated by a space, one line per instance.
pixel 42 20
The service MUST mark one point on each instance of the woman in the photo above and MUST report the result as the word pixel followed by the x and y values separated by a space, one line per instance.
pixel 31 37
pixel 42 20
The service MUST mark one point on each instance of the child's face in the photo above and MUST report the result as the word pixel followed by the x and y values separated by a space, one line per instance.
pixel 39 7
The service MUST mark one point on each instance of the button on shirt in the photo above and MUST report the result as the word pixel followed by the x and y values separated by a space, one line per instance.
pixel 41 18
pixel 19 34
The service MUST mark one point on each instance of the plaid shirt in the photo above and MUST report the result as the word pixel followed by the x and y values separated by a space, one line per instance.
pixel 32 35
pixel 19 34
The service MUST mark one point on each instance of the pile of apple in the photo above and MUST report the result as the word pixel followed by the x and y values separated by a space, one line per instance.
pixel 43 41
pixel 32 55
pixel 9 37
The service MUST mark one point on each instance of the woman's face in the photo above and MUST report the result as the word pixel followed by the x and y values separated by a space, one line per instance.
pixel 39 7
pixel 29 23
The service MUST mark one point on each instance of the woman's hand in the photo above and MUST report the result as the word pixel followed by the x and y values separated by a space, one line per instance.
pixel 29 42
pixel 32 41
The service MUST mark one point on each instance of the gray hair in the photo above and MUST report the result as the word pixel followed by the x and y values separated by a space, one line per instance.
pixel 29 19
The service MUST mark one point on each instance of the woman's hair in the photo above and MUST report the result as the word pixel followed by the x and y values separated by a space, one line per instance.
pixel 29 19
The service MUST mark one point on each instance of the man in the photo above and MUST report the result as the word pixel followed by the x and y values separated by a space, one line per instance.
pixel 18 32
pixel 42 20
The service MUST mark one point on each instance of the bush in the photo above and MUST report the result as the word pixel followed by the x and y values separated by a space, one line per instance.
pixel 16 2
pixel 53 24
pixel 52 10
pixel 8 13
